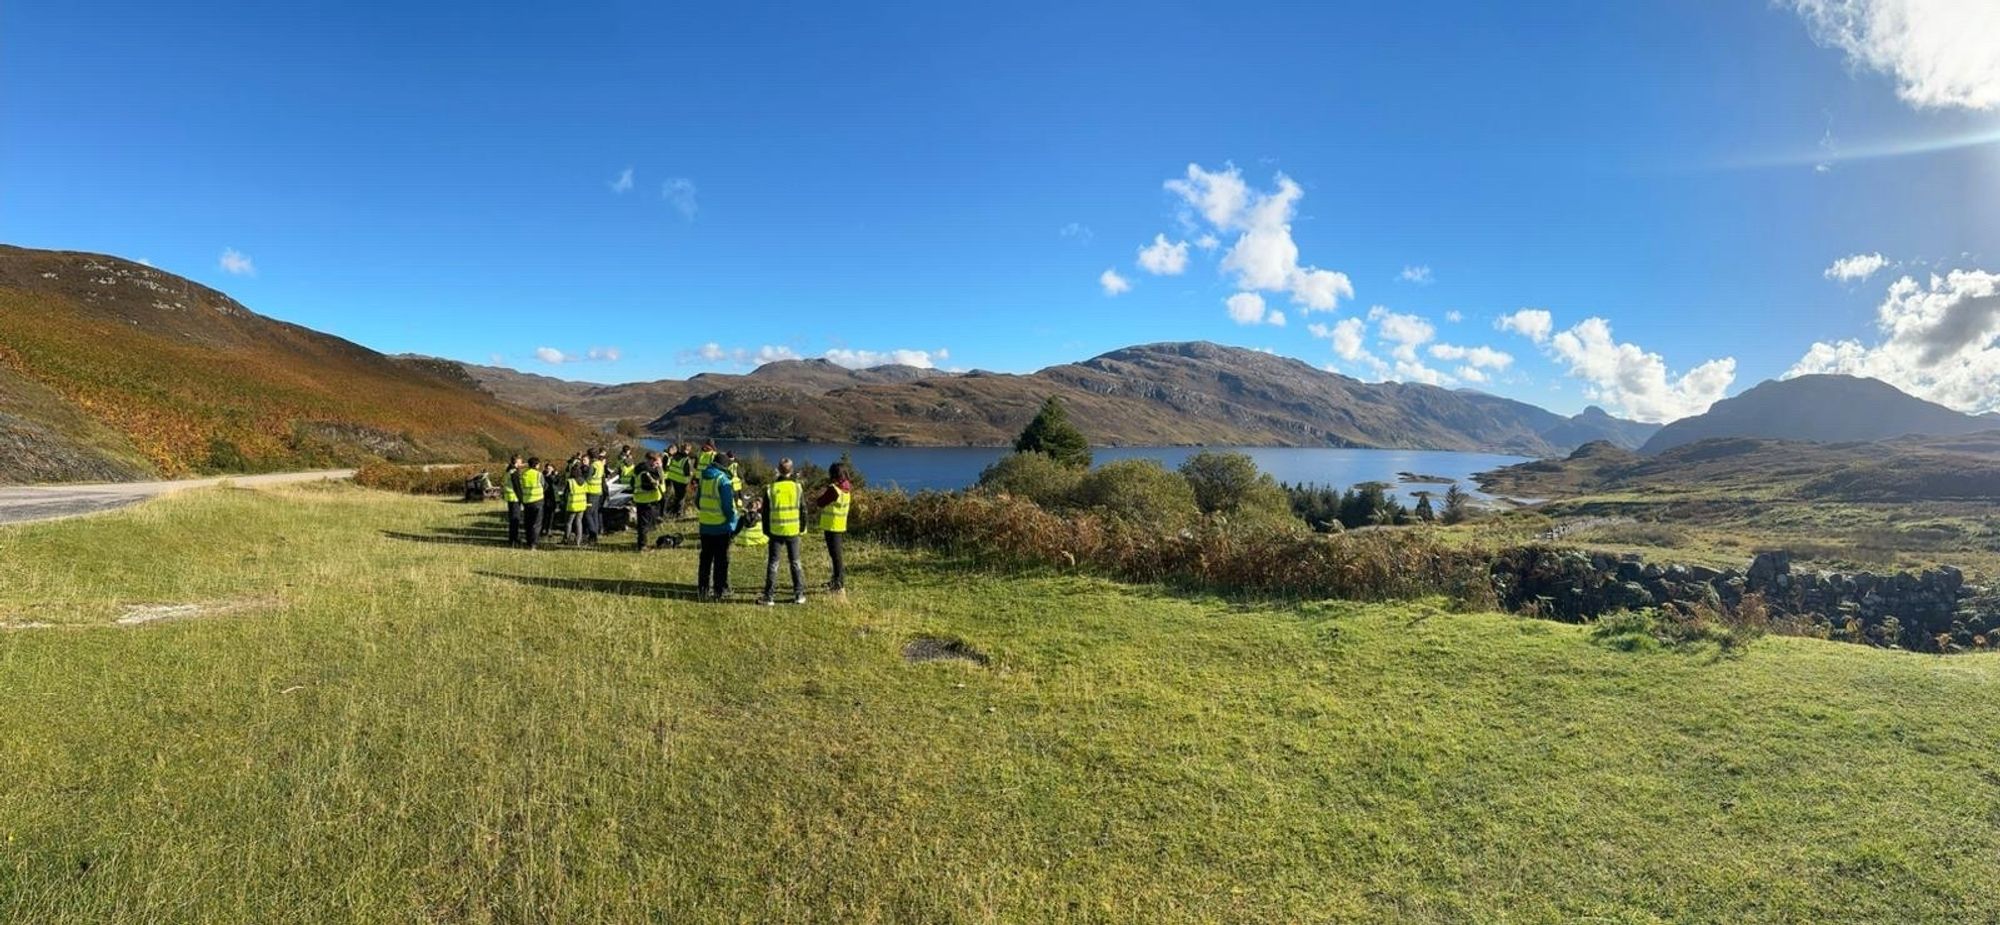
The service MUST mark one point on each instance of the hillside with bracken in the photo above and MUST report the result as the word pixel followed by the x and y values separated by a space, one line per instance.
pixel 111 369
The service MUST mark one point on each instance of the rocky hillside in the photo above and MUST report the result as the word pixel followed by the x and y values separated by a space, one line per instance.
pixel 1822 409
pixel 114 370
pixel 1173 393
pixel 643 401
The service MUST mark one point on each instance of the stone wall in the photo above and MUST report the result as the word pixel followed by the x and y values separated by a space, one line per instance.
pixel 1932 610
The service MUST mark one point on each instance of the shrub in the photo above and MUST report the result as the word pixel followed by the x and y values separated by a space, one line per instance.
pixel 1139 491
pixel 417 480
pixel 1051 433
pixel 757 470
pixel 1035 476
pixel 630 428
pixel 1229 483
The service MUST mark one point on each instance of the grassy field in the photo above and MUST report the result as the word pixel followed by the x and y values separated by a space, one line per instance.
pixel 375 715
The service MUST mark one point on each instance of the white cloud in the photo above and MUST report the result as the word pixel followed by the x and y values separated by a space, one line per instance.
pixel 863 359
pixel 1419 275
pixel 623 184
pixel 1112 283
pixel 1472 374
pixel 1076 231
pixel 1938 342
pixel 1245 308
pixel 1161 258
pixel 554 357
pixel 1532 323
pixel 1856 268
pixel 680 192
pixel 713 353
pixel 1481 357
pixel 1347 336
pixel 1942 53
pixel 1264 257
pixel 1208 242
pixel 1275 319
pixel 1406 332
pixel 237 263
pixel 1454 316
pixel 1634 382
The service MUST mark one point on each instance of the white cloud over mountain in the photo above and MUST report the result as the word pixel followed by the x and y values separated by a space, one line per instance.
pixel 1161 258
pixel 1632 381
pixel 1263 256
pixel 1938 342
pixel 554 357
pixel 1112 283
pixel 237 263
pixel 1941 53
pixel 1534 324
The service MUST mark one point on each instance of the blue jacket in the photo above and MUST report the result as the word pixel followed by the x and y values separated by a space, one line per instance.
pixel 721 476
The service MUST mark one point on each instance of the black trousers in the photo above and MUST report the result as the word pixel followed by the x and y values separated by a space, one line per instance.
pixel 790 544
pixel 678 502
pixel 712 571
pixel 834 551
pixel 531 521
pixel 593 520
pixel 648 515
pixel 514 523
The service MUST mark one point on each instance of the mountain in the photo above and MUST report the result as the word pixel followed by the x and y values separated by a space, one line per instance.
pixel 1821 409
pixel 1594 424
pixel 114 370
pixel 643 401
pixel 1170 393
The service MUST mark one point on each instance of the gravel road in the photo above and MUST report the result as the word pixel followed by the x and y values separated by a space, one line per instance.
pixel 24 503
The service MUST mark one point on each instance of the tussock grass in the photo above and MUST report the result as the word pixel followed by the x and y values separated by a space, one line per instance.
pixel 405 723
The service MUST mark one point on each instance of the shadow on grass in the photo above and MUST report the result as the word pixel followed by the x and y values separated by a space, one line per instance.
pixel 451 537
pixel 626 588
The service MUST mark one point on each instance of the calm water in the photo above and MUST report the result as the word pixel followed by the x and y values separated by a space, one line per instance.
pixel 953 467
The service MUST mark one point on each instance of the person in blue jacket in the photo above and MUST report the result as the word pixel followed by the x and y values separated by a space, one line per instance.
pixel 715 511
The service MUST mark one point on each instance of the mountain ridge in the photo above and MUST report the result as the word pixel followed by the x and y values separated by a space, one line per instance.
pixel 1821 408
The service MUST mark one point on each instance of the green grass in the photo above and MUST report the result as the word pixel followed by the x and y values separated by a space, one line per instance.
pixel 391 722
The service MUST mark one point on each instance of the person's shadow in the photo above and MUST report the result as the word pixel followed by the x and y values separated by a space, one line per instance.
pixel 621 586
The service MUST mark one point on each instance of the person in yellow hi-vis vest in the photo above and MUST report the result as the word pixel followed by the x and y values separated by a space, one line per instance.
pixel 834 504
pixel 526 481
pixel 578 503
pixel 715 512
pixel 593 489
pixel 784 522
pixel 649 492
pixel 512 496
pixel 680 471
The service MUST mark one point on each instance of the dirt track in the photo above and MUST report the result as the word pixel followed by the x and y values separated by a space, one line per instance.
pixel 24 503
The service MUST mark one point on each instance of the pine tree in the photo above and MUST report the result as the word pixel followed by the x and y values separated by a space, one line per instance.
pixel 1052 435
pixel 1457 505
pixel 1424 512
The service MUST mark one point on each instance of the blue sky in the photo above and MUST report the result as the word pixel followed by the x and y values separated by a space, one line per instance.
pixel 953 182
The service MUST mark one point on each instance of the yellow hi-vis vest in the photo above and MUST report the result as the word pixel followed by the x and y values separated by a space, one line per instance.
pixel 833 517
pixel 708 507
pixel 596 484
pixel 680 469
pixel 507 492
pixel 736 477
pixel 752 536
pixel 641 495
pixel 531 485
pixel 782 509
pixel 579 497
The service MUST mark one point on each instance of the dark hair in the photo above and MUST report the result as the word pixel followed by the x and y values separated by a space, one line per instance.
pixel 837 472
pixel 533 460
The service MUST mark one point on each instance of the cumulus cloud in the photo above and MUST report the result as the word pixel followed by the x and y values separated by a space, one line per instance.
pixel 1245 308
pixel 1275 319
pixel 1419 275
pixel 1405 332
pixel 1938 342
pixel 1454 316
pixel 1856 268
pixel 237 263
pixel 1941 53
pixel 864 359
pixel 554 357
pixel 1112 283
pixel 1534 324
pixel 680 193
pixel 1633 381
pixel 624 182
pixel 1481 357
pixel 1208 242
pixel 1264 257
pixel 1161 258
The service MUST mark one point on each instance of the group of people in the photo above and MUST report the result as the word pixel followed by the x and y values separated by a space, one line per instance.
pixel 663 484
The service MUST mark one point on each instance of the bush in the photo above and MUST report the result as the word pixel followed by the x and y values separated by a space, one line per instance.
pixel 1139 491
pixel 1229 483
pixel 757 470
pixel 1035 476
pixel 1211 554
pixel 418 480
